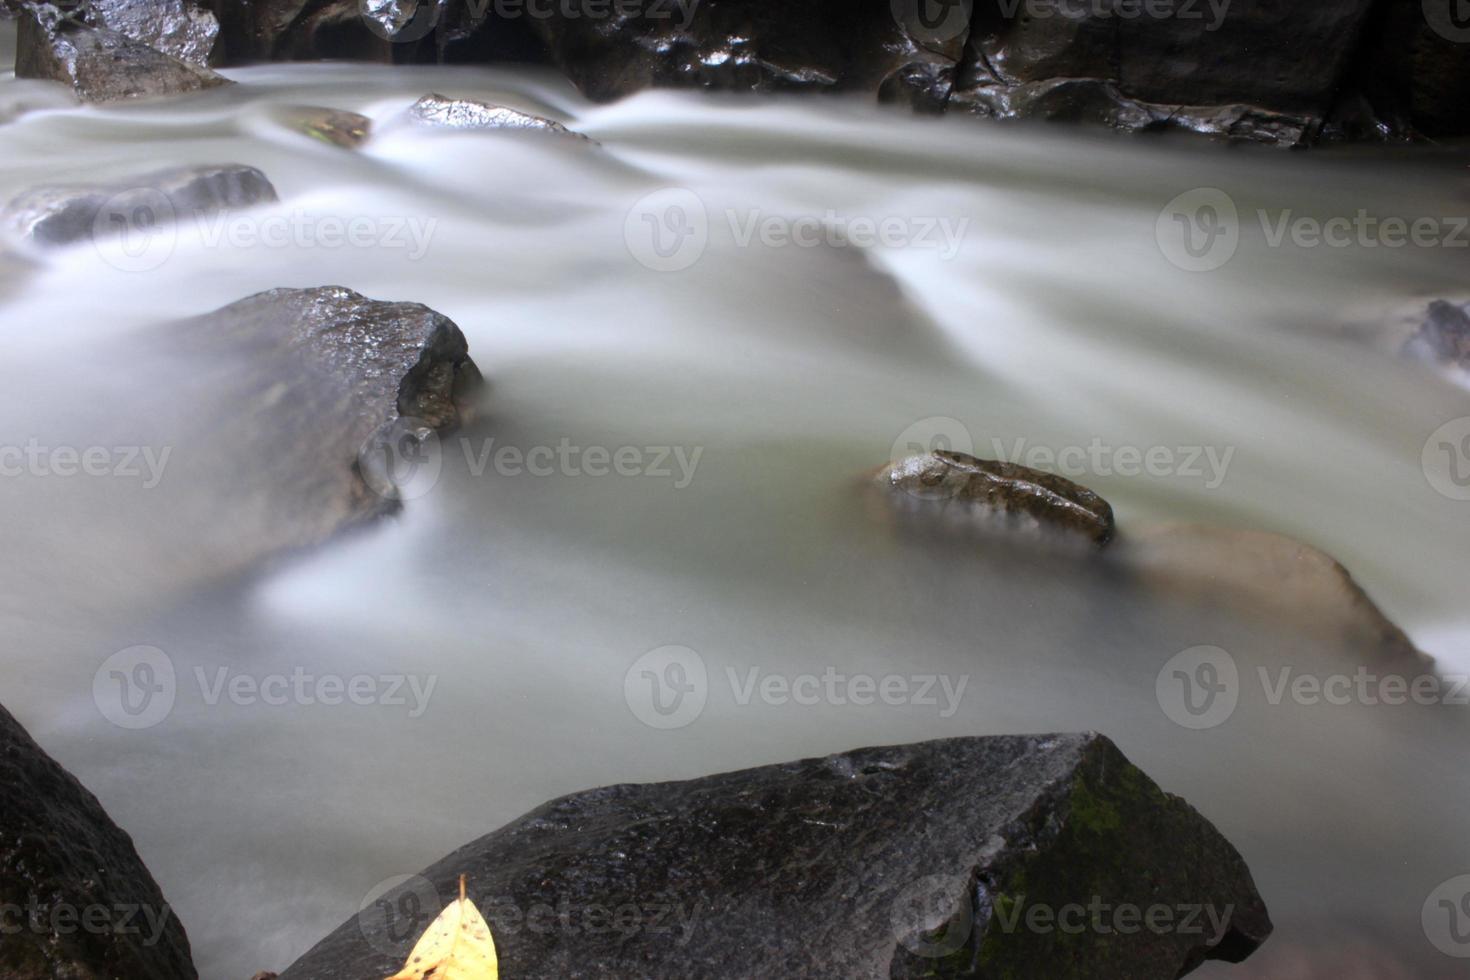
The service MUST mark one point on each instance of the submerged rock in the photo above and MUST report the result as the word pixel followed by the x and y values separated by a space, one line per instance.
pixel 79 901
pixel 468 114
pixel 102 65
pixel 943 859
pixel 175 27
pixel 339 127
pixel 1007 492
pixel 66 213
pixel 1444 336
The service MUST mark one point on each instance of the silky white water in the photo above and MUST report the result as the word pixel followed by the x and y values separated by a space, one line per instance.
pixel 1024 300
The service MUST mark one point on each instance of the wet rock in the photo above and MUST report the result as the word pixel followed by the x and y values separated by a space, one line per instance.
pixel 175 27
pixel 67 213
pixel 102 65
pixel 298 30
pixel 920 860
pixel 339 127
pixel 468 114
pixel 1007 493
pixel 1444 336
pixel 69 876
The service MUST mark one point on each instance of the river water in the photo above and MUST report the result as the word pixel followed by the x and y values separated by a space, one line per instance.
pixel 699 298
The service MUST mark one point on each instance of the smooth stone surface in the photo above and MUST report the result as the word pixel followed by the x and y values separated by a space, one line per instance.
pixel 80 904
pixel 1444 336
pixel 906 861
pixel 339 127
pixel 442 112
pixel 103 65
pixel 63 214
pixel 1006 494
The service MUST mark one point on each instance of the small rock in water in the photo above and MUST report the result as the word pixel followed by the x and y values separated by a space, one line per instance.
pixel 928 860
pixel 339 127
pixel 66 213
pixel 469 114
pixel 101 65
pixel 83 903
pixel 175 27
pixel 1004 490
pixel 1444 336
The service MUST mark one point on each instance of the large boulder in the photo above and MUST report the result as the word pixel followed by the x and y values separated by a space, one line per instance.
pixel 471 115
pixel 101 65
pixel 976 857
pixel 176 27
pixel 62 214
pixel 298 30
pixel 79 902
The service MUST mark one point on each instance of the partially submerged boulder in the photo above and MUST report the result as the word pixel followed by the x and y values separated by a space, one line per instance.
pixel 99 64
pixel 176 27
pixel 1008 494
pixel 442 112
pixel 79 901
pixel 1444 335
pixel 62 214
pixel 974 857
pixel 339 127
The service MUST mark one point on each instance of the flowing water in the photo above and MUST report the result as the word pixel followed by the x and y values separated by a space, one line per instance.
pixel 749 392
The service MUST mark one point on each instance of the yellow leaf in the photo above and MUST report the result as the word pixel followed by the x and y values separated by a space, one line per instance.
pixel 456 946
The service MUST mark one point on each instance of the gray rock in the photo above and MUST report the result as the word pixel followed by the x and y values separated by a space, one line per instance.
pixel 442 112
pixel 1006 493
pixel 63 214
pixel 1444 336
pixel 339 127
pixel 175 27
pixel 83 905
pixel 102 65
pixel 914 861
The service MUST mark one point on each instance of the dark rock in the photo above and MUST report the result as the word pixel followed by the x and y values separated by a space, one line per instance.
pixel 68 213
pixel 1444 336
pixel 175 27
pixel 1005 491
pixel 921 860
pixel 102 65
pixel 348 130
pixel 297 30
pixel 468 114
pixel 324 394
pixel 82 905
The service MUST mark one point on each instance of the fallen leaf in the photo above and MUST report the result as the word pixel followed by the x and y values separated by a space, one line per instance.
pixel 456 946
